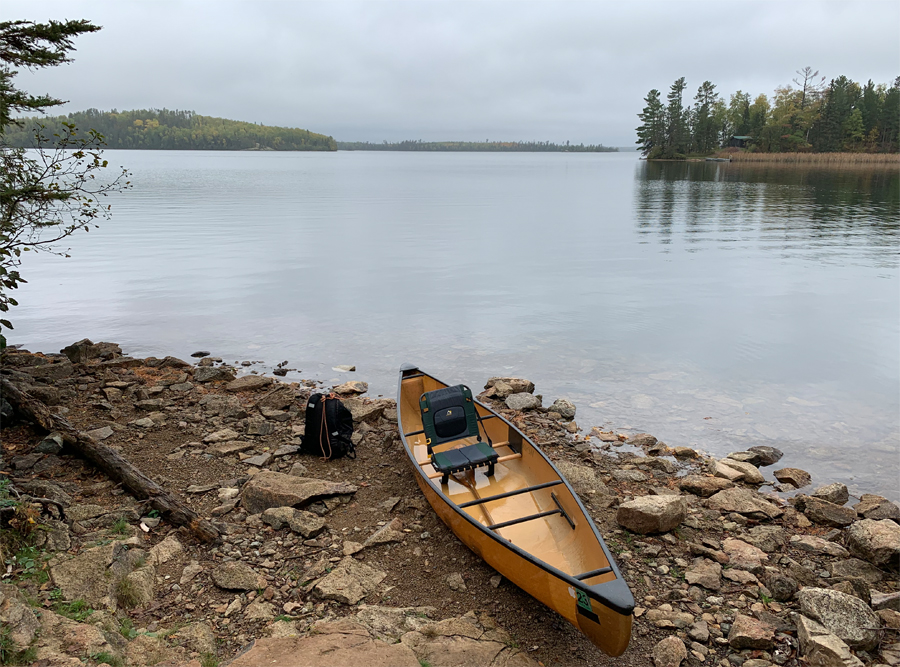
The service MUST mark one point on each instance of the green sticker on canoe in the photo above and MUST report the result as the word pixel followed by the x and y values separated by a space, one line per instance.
pixel 583 601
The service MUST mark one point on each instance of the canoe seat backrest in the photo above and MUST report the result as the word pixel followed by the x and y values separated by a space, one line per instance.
pixel 448 414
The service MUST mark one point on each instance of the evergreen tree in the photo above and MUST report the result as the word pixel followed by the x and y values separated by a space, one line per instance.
pixel 704 128
pixel 677 131
pixel 652 130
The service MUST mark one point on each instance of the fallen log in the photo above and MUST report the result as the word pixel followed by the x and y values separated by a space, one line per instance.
pixel 117 467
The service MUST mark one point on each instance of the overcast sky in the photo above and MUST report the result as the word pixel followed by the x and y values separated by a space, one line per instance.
pixel 375 70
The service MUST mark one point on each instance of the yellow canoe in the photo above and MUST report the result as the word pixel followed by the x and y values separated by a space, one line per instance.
pixel 524 520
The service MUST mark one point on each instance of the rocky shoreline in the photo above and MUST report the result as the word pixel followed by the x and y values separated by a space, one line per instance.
pixel 343 562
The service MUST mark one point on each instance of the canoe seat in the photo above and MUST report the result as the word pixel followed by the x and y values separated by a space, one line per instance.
pixel 449 415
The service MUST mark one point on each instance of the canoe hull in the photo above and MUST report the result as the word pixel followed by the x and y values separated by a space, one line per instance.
pixel 562 561
pixel 611 632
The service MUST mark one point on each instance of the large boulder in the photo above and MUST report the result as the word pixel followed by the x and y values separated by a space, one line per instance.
pixel 836 493
pixel 352 387
pixel 670 652
pixel 502 387
pixel 522 401
pixel 793 476
pixel 828 514
pixel 846 616
pixel 875 507
pixel 564 407
pixel 582 478
pixel 821 647
pixel 274 489
pixel 213 374
pixel 750 633
pixel 875 541
pixel 706 573
pixel 84 350
pixel 652 514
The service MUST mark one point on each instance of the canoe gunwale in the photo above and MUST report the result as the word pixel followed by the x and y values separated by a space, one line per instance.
pixel 622 602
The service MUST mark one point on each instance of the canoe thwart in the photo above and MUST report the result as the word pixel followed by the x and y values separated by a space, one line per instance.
pixel 530 517
pixel 414 375
pixel 593 573
pixel 563 511
pixel 508 494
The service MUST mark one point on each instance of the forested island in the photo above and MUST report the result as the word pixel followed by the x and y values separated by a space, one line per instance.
pixel 162 129
pixel 813 117
pixel 475 146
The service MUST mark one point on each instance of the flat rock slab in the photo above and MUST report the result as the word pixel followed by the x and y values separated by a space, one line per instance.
pixel 706 573
pixel 237 576
pixel 743 501
pixel 522 401
pixel 704 486
pixel 391 532
pixel 334 645
pixel 817 545
pixel 230 447
pixel 92 575
pixel 224 435
pixel 274 489
pixel 249 383
pixel 349 582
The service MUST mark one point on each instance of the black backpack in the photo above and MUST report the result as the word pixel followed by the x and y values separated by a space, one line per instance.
pixel 329 428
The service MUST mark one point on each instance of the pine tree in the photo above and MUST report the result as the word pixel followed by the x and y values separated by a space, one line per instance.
pixel 652 130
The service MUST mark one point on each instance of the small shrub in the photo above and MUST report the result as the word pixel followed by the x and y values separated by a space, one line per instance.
pixel 127 629
pixel 78 610
pixel 105 658
pixel 126 594
pixel 121 527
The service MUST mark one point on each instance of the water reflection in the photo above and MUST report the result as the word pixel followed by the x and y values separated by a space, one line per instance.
pixel 826 215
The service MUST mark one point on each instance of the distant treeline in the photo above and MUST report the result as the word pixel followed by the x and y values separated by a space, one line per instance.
pixel 484 146
pixel 841 115
pixel 163 129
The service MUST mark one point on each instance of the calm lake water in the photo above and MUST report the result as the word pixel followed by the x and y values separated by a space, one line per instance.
pixel 712 305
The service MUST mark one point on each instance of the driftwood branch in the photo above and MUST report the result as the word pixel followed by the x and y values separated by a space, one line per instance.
pixel 117 467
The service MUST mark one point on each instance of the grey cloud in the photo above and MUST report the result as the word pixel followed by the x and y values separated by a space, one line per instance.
pixel 452 70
